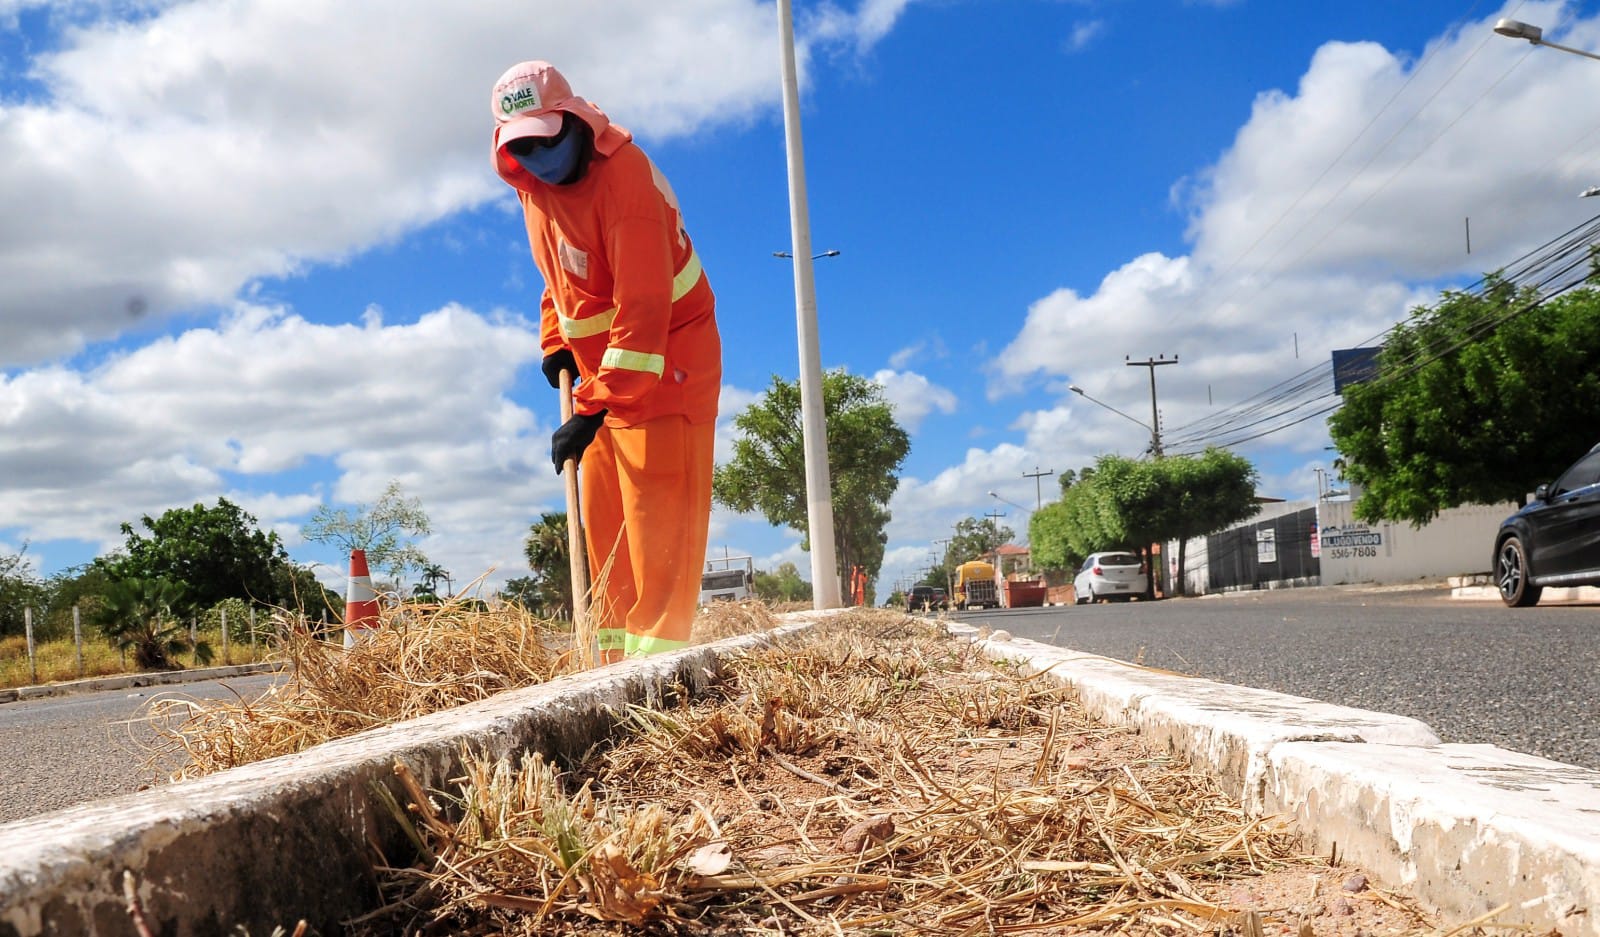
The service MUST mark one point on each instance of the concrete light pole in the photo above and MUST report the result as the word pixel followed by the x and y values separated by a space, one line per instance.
pixel 826 592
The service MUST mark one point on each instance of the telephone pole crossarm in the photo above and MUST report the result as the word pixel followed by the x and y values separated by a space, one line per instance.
pixel 1038 496
pixel 1155 414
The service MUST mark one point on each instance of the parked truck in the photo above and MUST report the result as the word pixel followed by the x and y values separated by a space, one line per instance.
pixel 975 586
pixel 728 579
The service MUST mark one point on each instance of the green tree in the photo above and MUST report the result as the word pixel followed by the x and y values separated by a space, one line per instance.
pixel 429 578
pixel 141 615
pixel 549 558
pixel 214 553
pixel 1083 521
pixel 973 538
pixel 523 591
pixel 782 585
pixel 20 589
pixel 865 450
pixel 1199 495
pixel 299 590
pixel 1477 399
pixel 385 531
pixel 1129 504
pixel 80 586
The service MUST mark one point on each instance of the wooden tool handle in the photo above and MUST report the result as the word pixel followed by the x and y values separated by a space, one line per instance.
pixel 582 633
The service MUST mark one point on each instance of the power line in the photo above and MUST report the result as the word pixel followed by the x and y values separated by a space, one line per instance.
pixel 1517 270
pixel 1553 269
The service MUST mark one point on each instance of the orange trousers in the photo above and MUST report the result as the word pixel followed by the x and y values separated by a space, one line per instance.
pixel 646 503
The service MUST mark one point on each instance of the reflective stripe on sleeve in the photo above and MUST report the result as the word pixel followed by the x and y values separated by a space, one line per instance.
pixel 612 639
pixel 684 281
pixel 687 277
pixel 640 645
pixel 594 325
pixel 626 360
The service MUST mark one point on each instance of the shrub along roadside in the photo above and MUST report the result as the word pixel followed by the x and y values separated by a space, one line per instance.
pixel 57 661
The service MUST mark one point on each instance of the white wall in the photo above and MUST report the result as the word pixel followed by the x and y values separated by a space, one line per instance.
pixel 1457 542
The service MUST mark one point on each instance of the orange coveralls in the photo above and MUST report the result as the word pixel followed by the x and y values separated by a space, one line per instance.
pixel 625 292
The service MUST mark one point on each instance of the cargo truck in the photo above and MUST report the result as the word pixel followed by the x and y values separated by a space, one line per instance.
pixel 975 586
pixel 728 579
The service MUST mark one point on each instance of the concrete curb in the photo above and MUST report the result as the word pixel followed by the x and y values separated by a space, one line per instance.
pixel 1460 826
pixel 1480 586
pixel 148 678
pixel 266 844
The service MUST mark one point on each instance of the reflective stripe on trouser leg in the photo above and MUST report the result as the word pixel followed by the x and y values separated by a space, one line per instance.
pixel 611 587
pixel 664 475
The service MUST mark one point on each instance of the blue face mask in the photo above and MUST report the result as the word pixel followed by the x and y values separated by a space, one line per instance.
pixel 553 163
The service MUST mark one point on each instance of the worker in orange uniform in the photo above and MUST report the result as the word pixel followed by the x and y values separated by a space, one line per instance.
pixel 628 310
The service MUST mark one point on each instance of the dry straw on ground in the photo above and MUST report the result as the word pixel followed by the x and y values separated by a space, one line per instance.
pixel 423 658
pixel 873 776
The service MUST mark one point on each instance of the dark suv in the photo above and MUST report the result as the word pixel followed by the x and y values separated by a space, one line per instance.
pixel 927 598
pixel 1555 540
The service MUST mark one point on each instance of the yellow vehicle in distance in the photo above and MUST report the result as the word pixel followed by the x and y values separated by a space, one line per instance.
pixel 975 586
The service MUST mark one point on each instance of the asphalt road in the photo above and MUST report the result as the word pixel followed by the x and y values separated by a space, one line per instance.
pixel 66 750
pixel 1475 671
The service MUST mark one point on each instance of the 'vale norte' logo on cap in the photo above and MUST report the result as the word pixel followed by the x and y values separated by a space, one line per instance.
pixel 525 98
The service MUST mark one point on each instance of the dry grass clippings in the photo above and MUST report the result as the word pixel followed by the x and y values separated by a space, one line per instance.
pixel 423 659
pixel 870 776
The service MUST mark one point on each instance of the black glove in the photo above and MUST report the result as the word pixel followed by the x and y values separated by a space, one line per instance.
pixel 573 437
pixel 556 362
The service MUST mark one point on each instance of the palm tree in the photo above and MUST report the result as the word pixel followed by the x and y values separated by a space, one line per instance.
pixel 138 615
pixel 546 549
pixel 431 574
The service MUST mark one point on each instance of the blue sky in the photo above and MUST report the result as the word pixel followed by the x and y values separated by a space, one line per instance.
pixel 254 249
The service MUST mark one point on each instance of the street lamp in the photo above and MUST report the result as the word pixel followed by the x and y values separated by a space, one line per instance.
pixel 1148 428
pixel 996 495
pixel 813 256
pixel 1515 29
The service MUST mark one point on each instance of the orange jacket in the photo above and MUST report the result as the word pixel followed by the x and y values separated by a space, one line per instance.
pixel 623 288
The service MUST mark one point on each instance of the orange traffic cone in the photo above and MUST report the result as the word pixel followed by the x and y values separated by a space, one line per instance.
pixel 361 602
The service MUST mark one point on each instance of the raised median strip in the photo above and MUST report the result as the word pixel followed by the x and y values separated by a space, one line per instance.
pixel 288 838
pixel 1458 826
pixel 143 678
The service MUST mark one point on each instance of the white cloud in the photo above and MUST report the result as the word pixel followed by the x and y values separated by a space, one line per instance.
pixel 180 157
pixel 1084 33
pixel 219 412
pixel 1290 263
pixel 913 397
pixel 869 23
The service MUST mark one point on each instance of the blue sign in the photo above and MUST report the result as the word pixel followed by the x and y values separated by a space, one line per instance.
pixel 1354 366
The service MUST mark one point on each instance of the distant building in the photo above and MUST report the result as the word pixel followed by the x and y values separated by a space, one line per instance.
pixel 1012 560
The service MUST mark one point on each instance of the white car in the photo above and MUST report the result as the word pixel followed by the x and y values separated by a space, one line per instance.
pixel 1113 575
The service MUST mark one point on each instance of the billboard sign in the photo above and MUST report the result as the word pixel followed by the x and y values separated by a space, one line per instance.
pixel 1354 366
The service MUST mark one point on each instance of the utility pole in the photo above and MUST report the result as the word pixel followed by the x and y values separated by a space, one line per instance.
pixel 1155 415
pixel 1038 498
